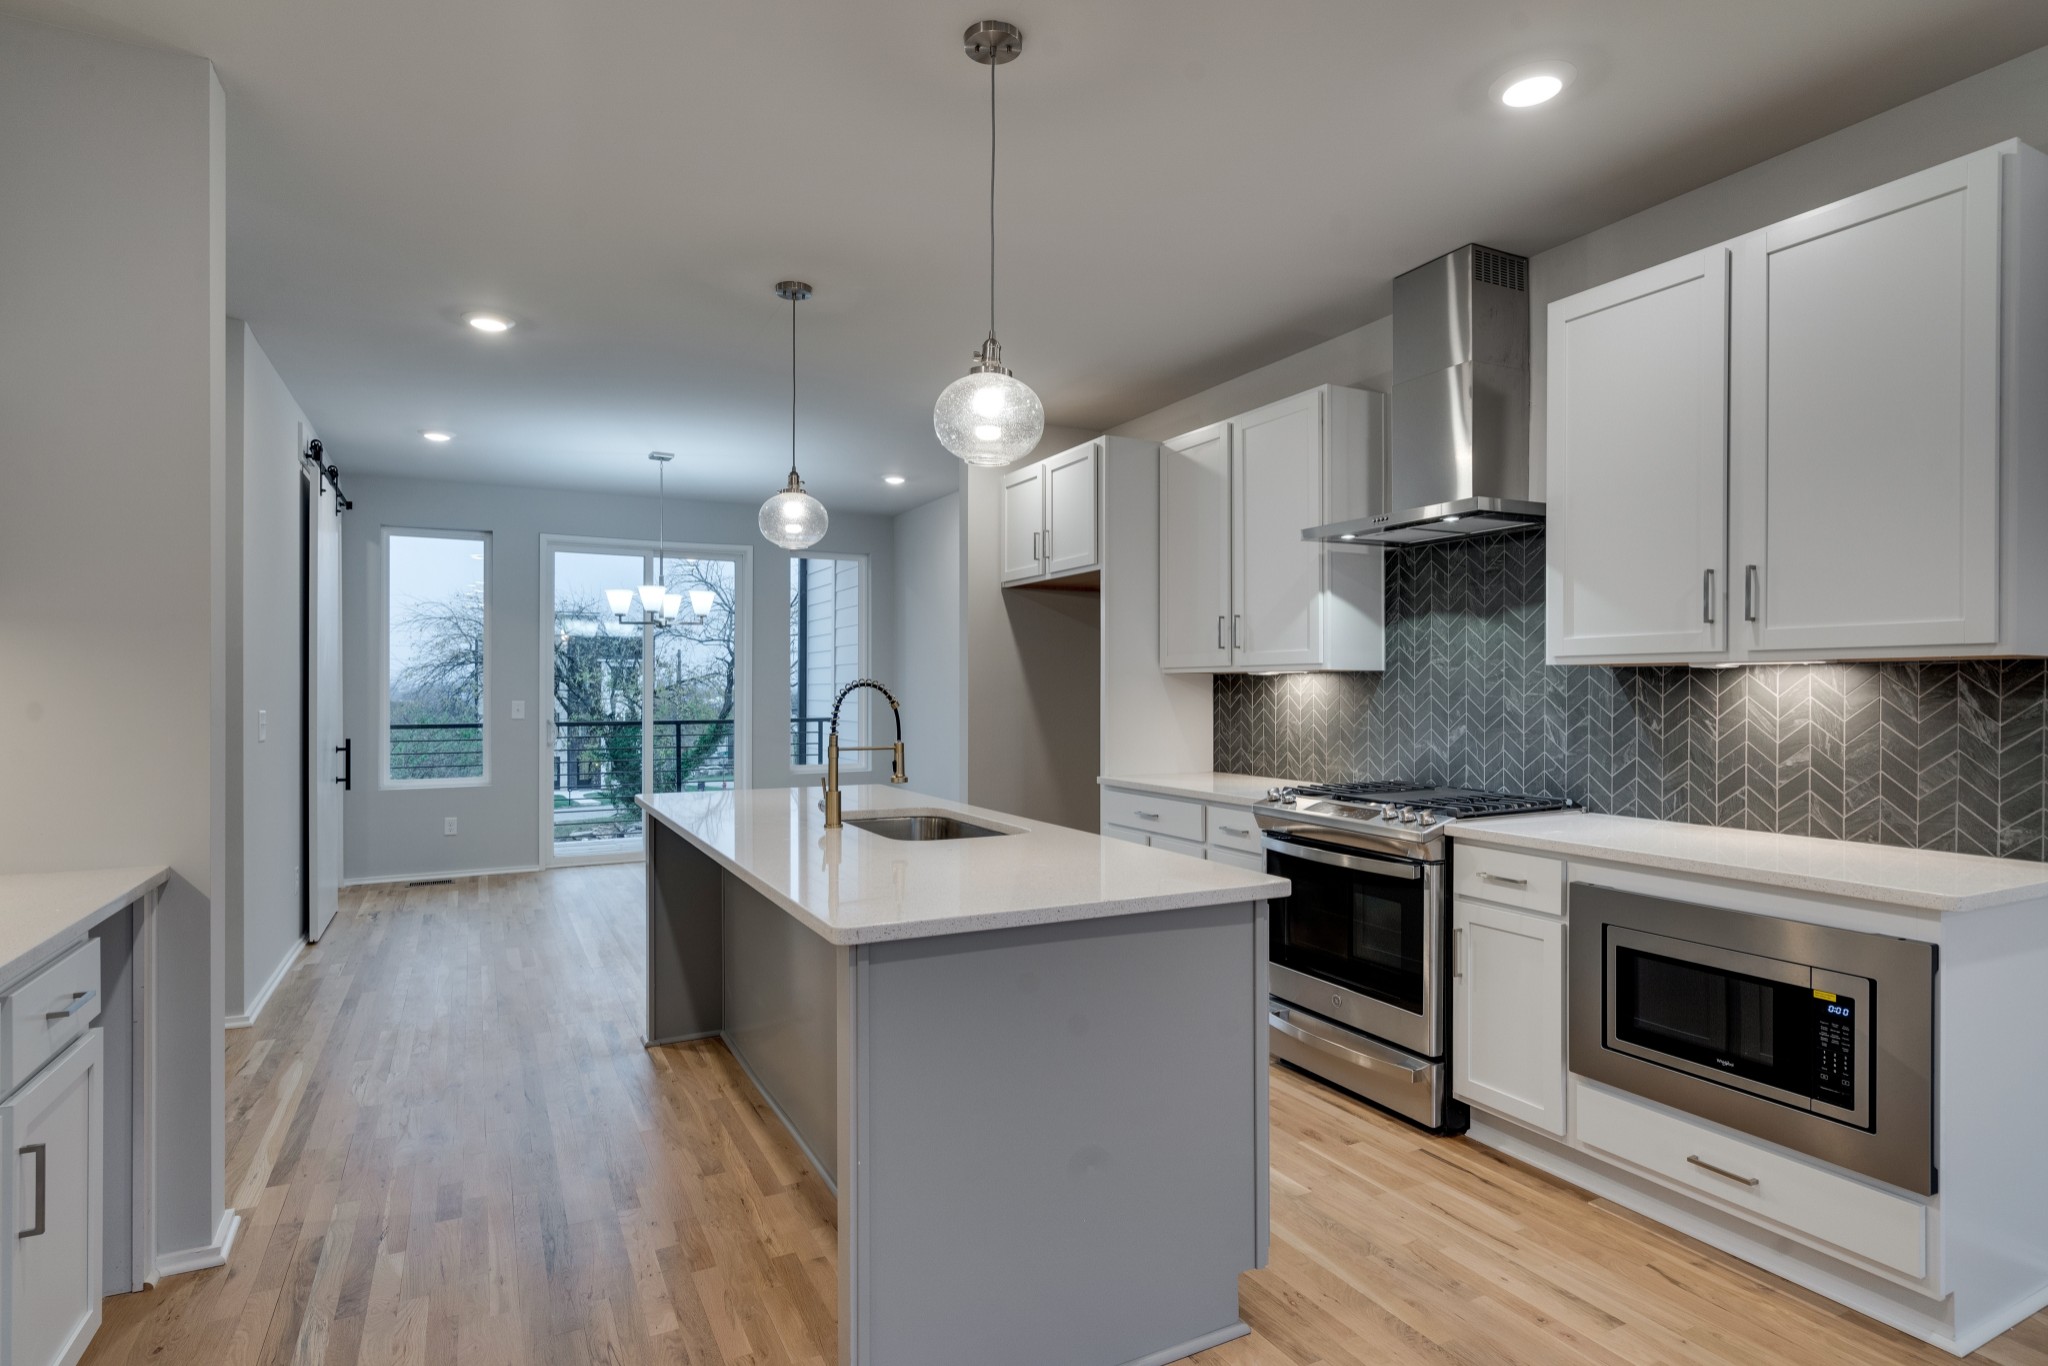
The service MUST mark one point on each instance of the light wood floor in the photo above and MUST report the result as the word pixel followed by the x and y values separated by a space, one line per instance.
pixel 449 1147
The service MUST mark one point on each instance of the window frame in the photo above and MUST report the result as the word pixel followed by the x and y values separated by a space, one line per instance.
pixel 852 763
pixel 385 782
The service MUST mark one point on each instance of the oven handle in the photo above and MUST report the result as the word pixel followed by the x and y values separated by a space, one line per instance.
pixel 1363 863
pixel 1380 1059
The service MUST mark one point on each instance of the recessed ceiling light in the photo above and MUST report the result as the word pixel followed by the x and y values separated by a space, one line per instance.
pixel 1528 86
pixel 892 478
pixel 438 437
pixel 490 322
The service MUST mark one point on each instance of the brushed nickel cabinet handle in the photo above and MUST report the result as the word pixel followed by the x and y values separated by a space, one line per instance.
pixel 1219 633
pixel 1722 1172
pixel 79 1001
pixel 1707 596
pixel 1458 952
pixel 42 1157
pixel 1147 815
pixel 1232 830
pixel 1749 593
pixel 1236 633
pixel 1504 881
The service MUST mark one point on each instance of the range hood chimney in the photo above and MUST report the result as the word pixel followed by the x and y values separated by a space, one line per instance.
pixel 1459 462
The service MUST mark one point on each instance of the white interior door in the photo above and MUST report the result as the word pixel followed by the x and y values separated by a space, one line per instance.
pixel 1874 446
pixel 1638 426
pixel 329 761
pixel 1194 550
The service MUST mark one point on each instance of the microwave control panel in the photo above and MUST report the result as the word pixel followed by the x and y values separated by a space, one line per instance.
pixel 1834 1049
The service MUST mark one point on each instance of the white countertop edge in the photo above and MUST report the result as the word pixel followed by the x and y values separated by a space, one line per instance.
pixel 1218 789
pixel 52 910
pixel 1772 861
pixel 1249 887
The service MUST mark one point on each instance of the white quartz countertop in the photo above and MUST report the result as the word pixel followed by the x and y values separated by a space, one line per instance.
pixel 40 913
pixel 852 886
pixel 1923 878
pixel 1230 789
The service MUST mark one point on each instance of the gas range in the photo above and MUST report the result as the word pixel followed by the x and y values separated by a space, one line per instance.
pixel 1400 818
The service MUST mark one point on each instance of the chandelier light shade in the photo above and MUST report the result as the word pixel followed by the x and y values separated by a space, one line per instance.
pixel 659 606
pixel 792 518
pixel 990 417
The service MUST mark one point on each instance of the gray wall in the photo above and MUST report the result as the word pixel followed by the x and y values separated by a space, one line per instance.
pixel 2007 101
pixel 926 672
pixel 112 543
pixel 264 910
pixel 396 832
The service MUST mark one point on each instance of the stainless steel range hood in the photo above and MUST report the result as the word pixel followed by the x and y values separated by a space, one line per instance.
pixel 1459 462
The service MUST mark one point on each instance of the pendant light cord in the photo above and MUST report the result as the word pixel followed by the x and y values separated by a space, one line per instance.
pixel 661 522
pixel 792 385
pixel 992 198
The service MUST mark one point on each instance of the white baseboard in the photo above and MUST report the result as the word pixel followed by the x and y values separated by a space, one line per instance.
pixel 451 874
pixel 200 1258
pixel 255 1007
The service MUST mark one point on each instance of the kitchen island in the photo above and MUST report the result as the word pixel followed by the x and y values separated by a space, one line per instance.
pixel 1031 1062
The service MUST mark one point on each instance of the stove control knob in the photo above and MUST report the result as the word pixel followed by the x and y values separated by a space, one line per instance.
pixel 1392 812
pixel 1281 796
pixel 1426 819
pixel 1409 815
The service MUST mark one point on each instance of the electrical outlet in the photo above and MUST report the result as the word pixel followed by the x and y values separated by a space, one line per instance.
pixel 262 725
pixel 518 711
pixel 448 826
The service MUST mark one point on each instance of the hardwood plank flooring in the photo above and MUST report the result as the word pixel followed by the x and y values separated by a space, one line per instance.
pixel 448 1146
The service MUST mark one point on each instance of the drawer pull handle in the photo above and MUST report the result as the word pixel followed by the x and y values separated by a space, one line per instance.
pixel 79 1001
pixel 1147 815
pixel 42 1157
pixel 1233 830
pixel 1721 1172
pixel 1521 882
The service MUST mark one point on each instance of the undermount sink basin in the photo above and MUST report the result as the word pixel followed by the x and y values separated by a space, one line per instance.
pixel 921 827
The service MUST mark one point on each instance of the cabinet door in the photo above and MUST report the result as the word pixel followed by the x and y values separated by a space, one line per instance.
pixel 1073 536
pixel 1869 356
pixel 1023 515
pixel 1277 491
pixel 1194 550
pixel 51 1136
pixel 1507 988
pixel 1638 461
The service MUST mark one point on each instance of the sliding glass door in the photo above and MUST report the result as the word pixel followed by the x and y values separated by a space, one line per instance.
pixel 636 709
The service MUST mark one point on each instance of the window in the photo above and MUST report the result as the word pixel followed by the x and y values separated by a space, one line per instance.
pixel 435 650
pixel 827 650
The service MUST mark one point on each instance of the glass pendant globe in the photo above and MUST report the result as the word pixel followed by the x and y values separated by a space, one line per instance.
pixel 989 418
pixel 793 519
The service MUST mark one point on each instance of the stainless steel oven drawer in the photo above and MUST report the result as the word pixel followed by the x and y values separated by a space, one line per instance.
pixel 1402 1082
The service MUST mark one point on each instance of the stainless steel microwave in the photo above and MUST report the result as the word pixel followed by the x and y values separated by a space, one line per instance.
pixel 1819 1039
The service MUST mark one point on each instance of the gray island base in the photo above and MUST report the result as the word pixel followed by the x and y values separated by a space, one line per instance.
pixel 1032 1066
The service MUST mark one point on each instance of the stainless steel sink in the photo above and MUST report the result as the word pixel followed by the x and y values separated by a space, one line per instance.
pixel 921 827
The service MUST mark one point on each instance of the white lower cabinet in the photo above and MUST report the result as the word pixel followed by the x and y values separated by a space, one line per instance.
pixel 1182 825
pixel 1507 1032
pixel 51 1204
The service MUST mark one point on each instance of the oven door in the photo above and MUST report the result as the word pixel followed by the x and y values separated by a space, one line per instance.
pixel 1360 940
pixel 1785 1031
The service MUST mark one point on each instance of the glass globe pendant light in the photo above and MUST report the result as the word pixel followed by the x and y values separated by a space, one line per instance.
pixel 792 518
pixel 989 416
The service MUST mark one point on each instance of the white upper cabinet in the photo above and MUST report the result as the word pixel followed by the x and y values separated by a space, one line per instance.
pixel 1869 350
pixel 1238 587
pixel 1194 550
pixel 1051 517
pixel 1638 440
pixel 1885 442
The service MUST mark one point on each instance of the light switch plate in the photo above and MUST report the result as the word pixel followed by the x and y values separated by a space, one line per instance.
pixel 518 711
pixel 262 724
pixel 448 826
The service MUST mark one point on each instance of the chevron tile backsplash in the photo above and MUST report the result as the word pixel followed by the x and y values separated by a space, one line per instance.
pixel 1934 755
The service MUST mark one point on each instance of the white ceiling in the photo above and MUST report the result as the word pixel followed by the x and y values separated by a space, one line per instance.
pixel 1190 189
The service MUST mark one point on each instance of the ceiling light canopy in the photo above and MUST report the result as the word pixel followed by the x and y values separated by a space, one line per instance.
pixel 438 438
pixel 989 416
pixel 489 322
pixel 792 518
pixel 1528 86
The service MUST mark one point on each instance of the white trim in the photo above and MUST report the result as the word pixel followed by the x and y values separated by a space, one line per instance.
pixel 385 782
pixel 213 1254
pixel 742 559
pixel 142 1182
pixel 263 995
pixel 857 763
pixel 436 875
pixel 1237 1329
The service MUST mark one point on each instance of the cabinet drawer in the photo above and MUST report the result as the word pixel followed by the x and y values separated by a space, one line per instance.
pixel 1178 846
pixel 40 1018
pixel 1152 814
pixel 1232 827
pixel 1835 1209
pixel 1532 882
pixel 1237 858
